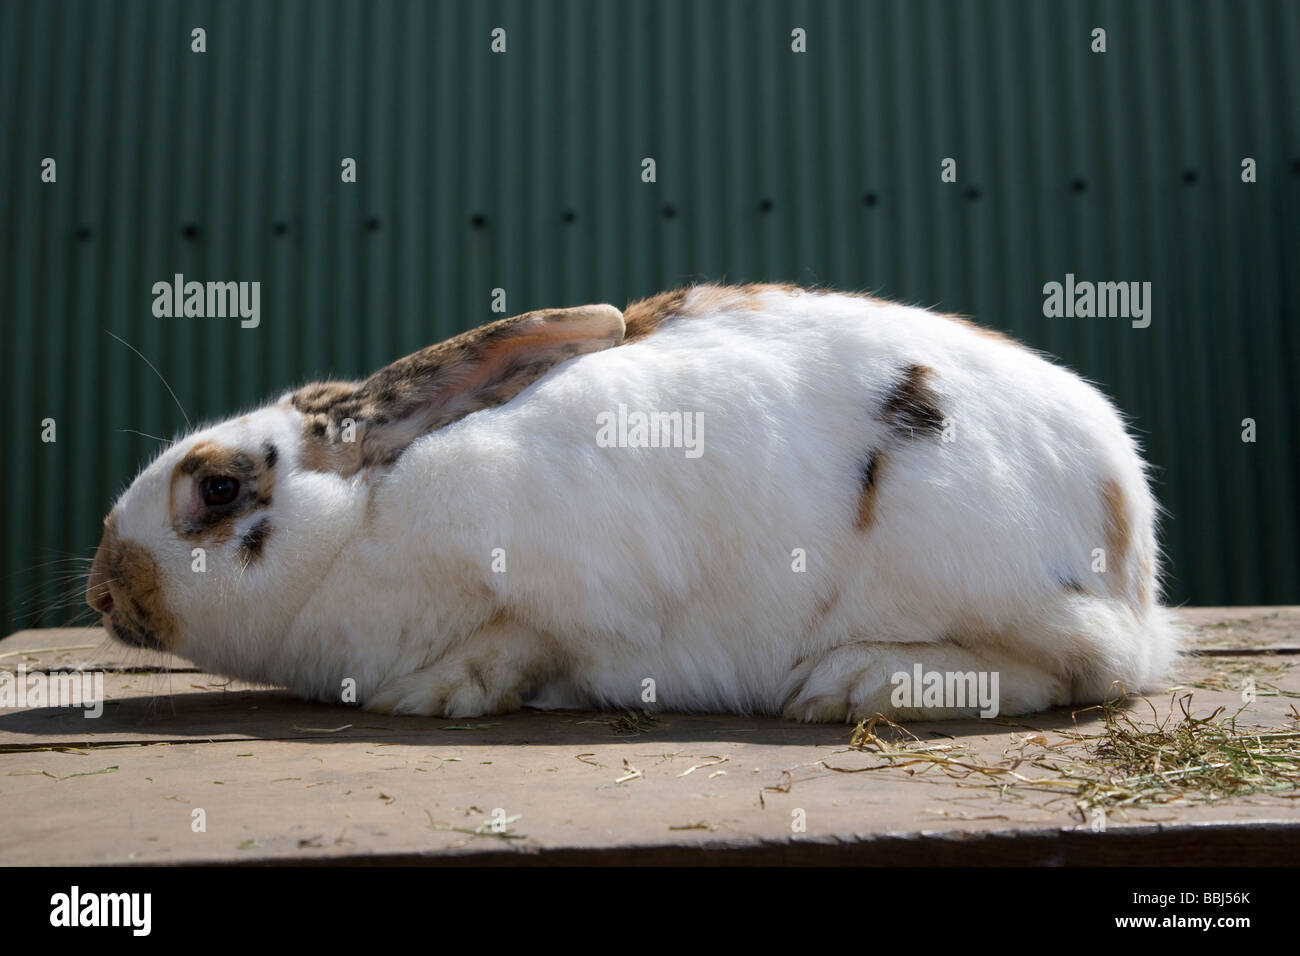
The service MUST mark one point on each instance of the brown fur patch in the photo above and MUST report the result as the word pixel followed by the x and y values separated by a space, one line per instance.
pixel 322 396
pixel 208 459
pixel 323 447
pixel 129 574
pixel 645 317
pixel 870 478
pixel 1117 530
pixel 912 408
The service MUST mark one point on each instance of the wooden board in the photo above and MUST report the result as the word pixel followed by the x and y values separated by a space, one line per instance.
pixel 277 779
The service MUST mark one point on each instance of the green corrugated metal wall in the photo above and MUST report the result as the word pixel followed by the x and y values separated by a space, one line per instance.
pixel 522 171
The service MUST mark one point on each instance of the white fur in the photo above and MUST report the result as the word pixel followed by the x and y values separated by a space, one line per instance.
pixel 625 564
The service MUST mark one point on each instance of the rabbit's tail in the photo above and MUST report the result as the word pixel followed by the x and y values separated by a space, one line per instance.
pixel 1109 646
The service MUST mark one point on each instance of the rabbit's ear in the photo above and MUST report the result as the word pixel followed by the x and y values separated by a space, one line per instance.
pixel 433 387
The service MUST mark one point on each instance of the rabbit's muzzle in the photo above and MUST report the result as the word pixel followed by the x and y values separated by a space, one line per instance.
pixel 126 588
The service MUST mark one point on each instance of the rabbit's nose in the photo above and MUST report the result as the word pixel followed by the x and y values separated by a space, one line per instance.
pixel 98 595
pixel 103 603
pixel 97 592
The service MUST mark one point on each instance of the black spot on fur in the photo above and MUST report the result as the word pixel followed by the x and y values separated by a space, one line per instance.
pixel 254 541
pixel 867 472
pixel 271 455
pixel 912 408
pixel 1072 584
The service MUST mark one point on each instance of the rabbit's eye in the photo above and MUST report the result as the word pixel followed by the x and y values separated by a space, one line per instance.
pixel 218 490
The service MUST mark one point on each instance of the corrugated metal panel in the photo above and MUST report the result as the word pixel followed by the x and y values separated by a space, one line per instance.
pixel 521 171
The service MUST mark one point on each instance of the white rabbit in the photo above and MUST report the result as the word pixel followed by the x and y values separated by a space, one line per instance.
pixel 870 489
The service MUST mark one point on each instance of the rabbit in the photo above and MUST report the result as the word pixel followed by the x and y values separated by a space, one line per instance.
pixel 871 489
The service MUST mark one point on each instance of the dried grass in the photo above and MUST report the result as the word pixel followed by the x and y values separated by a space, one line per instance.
pixel 1183 760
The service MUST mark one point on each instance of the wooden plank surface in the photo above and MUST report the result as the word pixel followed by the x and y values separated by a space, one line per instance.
pixel 277 779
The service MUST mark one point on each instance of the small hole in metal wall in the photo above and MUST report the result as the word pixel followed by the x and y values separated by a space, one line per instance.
pixel 669 210
pixel 765 205
pixel 973 193
pixel 84 233
pixel 1295 166
pixel 870 199
pixel 569 216
pixel 478 220
pixel 372 224
pixel 190 230
pixel 1189 176
pixel 280 228
pixel 1079 185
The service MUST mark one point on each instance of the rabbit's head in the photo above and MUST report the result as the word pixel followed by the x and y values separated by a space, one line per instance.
pixel 218 544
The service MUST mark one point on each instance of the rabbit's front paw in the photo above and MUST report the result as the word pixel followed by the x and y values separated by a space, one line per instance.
pixel 491 674
pixel 459 691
